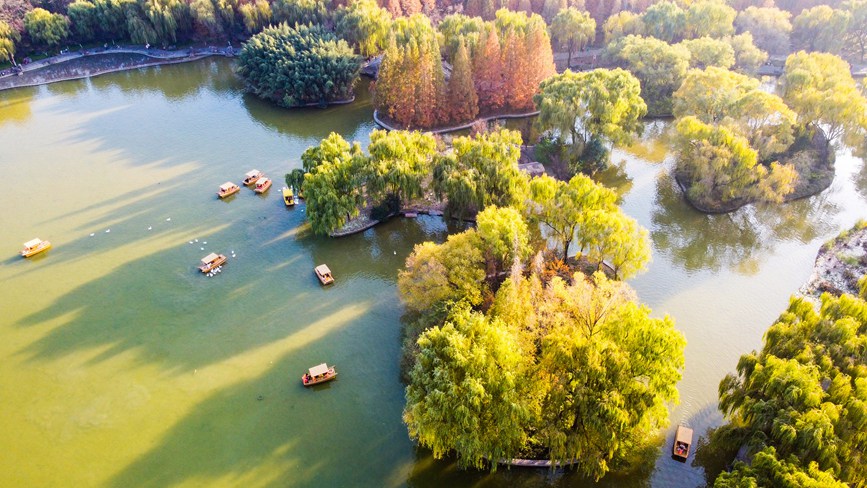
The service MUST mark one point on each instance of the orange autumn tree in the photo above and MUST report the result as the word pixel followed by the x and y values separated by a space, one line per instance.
pixel 461 96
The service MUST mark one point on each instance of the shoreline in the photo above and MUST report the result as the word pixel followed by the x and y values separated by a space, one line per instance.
pixel 445 130
pixel 839 264
pixel 87 64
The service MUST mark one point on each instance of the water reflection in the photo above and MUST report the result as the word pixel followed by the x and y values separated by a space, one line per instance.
pixel 737 240
pixel 15 106
pixel 655 142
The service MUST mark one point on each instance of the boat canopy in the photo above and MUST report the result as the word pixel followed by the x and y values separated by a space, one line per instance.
pixel 33 243
pixel 319 370
pixel 251 174
pixel 262 181
pixel 683 434
pixel 209 258
pixel 323 269
pixel 287 192
pixel 227 186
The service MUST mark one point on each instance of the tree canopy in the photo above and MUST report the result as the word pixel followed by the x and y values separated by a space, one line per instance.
pixel 800 404
pixel 364 25
pixel 659 66
pixel 8 37
pixel 300 65
pixel 572 29
pixel 45 27
pixel 332 183
pixel 769 26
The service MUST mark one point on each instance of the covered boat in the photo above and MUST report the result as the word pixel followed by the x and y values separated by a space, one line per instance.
pixel 318 374
pixel 262 185
pixel 211 262
pixel 682 441
pixel 288 197
pixel 324 274
pixel 252 176
pixel 227 188
pixel 34 246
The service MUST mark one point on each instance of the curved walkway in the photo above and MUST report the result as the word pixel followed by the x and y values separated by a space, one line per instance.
pixel 385 125
pixel 10 78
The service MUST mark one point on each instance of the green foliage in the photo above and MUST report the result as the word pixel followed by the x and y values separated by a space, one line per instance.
pixel 481 171
pixel 313 12
pixel 295 178
pixel 457 27
pixel 609 375
pixel 769 26
pixel 659 67
pixel 820 28
pixel 256 15
pixel 801 402
pixel 711 94
pixel 665 21
pixel 467 391
pixel 332 183
pixel 604 104
pixel 856 32
pixel 364 25
pixel 820 89
pixel 720 166
pixel 622 24
pixel 399 161
pixel 707 51
pixel 709 18
pixel 504 235
pixel 295 66
pixel 8 38
pixel 83 17
pixel 45 27
pixel 748 57
pixel 572 29
pixel 450 272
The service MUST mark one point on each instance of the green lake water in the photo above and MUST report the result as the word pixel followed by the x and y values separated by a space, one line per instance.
pixel 121 365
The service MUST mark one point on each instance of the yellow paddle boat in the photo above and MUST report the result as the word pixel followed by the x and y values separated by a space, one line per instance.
pixel 34 246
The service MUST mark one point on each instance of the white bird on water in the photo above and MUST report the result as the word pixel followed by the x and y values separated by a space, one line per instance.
pixel 205 242
pixel 107 231
pixel 149 227
pixel 169 219
pixel 202 248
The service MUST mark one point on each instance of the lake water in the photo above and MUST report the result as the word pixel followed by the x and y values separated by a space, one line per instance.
pixel 123 366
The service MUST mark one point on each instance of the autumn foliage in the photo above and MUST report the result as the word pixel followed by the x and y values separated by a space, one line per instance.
pixel 496 68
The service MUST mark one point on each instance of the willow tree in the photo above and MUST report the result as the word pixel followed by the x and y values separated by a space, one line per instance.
pixel 300 11
pixel 707 51
pixel 364 25
pixel 399 161
pixel 296 66
pixel 467 393
pixel 770 27
pixel 659 67
pixel 332 183
pixel 8 38
pixel 800 403
pixel 46 28
pixel 820 89
pixel 602 104
pixel 572 29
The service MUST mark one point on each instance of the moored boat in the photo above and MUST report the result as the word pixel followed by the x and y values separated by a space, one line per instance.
pixel 211 262
pixel 682 441
pixel 288 197
pixel 324 274
pixel 262 185
pixel 252 177
pixel 227 188
pixel 34 246
pixel 318 374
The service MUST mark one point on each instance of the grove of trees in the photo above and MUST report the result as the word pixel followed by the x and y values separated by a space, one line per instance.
pixel 799 405
pixel 496 67
pixel 297 66
pixel 513 351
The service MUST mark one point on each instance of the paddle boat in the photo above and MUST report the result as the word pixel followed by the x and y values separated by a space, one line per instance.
pixel 324 274
pixel 288 197
pixel 318 374
pixel 262 185
pixel 682 441
pixel 34 246
pixel 211 262
pixel 227 188
pixel 252 177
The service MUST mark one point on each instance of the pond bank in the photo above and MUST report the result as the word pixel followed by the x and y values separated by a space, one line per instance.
pixel 840 263
pixel 93 62
pixel 388 125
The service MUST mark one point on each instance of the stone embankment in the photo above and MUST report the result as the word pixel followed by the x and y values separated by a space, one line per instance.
pixel 839 264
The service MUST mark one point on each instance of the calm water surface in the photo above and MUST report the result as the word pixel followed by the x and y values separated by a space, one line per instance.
pixel 120 365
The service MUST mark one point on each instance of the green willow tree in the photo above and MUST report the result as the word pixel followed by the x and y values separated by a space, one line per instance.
pixel 296 66
pixel 399 161
pixel 602 104
pixel 771 27
pixel 707 51
pixel 332 183
pixel 46 28
pixel 572 29
pixel 364 25
pixel 471 368
pixel 8 38
pixel 660 67
pixel 800 404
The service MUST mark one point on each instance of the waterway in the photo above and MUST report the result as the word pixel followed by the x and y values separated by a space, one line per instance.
pixel 121 365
